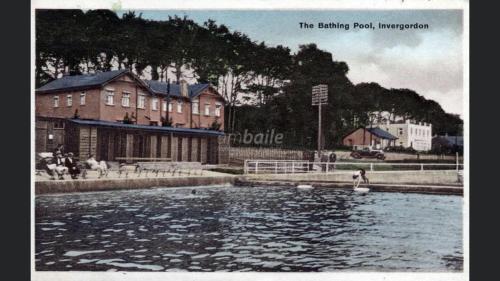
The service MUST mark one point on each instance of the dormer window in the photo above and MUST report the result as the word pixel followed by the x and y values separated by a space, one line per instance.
pixel 56 101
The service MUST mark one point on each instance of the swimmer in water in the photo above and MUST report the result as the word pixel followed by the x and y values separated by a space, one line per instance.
pixel 193 192
pixel 358 175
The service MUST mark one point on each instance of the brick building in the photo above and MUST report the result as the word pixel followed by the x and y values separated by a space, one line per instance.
pixel 115 114
pixel 369 137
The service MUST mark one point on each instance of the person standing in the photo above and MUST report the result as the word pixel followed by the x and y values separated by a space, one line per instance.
pixel 72 166
pixel 59 148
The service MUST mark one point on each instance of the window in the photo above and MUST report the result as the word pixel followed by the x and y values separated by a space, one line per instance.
pixel 154 104
pixel 141 102
pixel 164 106
pixel 59 124
pixel 83 95
pixel 56 101
pixel 401 131
pixel 69 100
pixel 207 109
pixel 126 100
pixel 110 97
pixel 170 107
pixel 195 106
pixel 218 106
pixel 179 106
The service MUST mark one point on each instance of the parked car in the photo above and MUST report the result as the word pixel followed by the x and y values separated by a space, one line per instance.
pixel 400 149
pixel 368 152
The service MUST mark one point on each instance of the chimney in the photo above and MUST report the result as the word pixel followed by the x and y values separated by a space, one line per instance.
pixel 184 88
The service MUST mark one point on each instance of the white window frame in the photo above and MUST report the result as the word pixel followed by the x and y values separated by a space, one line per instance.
pixel 170 107
pixel 126 99
pixel 110 97
pixel 69 100
pixel 179 106
pixel 218 107
pixel 205 109
pixel 195 106
pixel 164 106
pixel 83 98
pixel 55 101
pixel 154 103
pixel 141 101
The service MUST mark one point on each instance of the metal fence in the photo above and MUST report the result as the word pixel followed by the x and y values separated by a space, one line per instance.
pixel 294 166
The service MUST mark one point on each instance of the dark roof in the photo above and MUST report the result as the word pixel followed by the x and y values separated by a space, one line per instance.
pixel 381 133
pixel 175 89
pixel 81 81
pixel 145 127
pixel 453 140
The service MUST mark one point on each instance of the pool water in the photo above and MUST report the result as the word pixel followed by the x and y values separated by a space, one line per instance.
pixel 248 229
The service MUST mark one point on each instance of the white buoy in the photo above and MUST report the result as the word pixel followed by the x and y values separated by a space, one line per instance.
pixel 362 189
pixel 304 186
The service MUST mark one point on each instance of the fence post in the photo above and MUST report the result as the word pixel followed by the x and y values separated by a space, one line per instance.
pixel 256 166
pixel 293 167
pixel 421 167
pixel 276 167
pixel 245 167
pixel 371 166
pixel 456 156
pixel 327 166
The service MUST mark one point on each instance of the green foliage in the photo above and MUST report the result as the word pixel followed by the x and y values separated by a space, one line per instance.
pixel 265 87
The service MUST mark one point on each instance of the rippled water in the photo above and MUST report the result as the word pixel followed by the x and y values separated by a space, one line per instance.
pixel 248 229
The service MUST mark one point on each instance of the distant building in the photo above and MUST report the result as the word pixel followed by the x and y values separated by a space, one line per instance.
pixel 115 114
pixel 415 135
pixel 373 137
pixel 447 144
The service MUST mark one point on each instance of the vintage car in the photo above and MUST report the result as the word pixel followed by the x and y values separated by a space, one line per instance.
pixel 368 152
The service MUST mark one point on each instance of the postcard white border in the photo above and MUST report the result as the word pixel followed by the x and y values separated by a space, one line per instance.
pixel 260 5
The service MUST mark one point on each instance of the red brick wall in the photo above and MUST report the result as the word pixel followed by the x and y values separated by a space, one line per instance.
pixel 200 120
pixel 96 108
pixel 116 112
pixel 44 104
pixel 357 138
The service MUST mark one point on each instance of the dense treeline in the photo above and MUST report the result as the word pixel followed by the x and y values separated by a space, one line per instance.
pixel 265 87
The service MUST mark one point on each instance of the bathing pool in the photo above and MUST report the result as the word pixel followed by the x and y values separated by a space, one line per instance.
pixel 228 228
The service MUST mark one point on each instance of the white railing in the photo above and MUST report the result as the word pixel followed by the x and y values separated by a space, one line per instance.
pixel 295 166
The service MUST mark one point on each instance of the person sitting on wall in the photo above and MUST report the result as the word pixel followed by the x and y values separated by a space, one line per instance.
pixel 358 175
pixel 100 166
pixel 58 166
pixel 72 166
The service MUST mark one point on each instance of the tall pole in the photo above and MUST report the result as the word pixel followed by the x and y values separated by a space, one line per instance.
pixel 319 132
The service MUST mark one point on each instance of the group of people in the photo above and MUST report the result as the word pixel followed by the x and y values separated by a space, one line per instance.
pixel 63 163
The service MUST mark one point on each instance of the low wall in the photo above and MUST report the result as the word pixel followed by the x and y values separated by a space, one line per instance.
pixel 444 177
pixel 44 187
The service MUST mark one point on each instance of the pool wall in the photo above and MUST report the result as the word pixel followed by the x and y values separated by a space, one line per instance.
pixel 65 186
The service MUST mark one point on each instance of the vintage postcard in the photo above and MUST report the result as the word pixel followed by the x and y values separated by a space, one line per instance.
pixel 213 140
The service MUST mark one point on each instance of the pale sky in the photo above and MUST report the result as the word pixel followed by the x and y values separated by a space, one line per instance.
pixel 427 61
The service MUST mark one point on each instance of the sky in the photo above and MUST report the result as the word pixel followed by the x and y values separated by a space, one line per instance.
pixel 427 61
